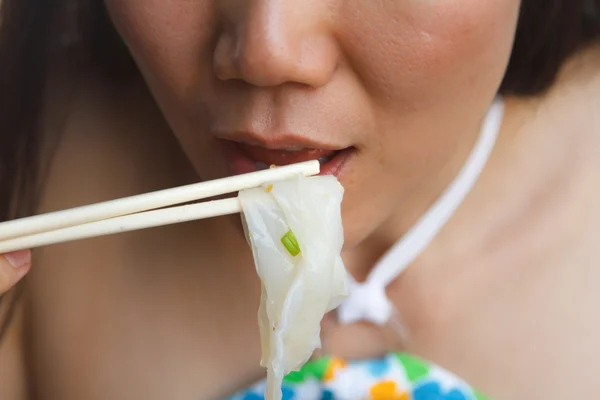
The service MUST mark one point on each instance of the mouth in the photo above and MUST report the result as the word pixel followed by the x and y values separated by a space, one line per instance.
pixel 244 158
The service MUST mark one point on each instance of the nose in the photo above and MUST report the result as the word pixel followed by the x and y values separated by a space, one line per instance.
pixel 272 42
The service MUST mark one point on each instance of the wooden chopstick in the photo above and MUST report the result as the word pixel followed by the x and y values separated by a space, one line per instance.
pixel 153 200
pixel 126 223
pixel 113 216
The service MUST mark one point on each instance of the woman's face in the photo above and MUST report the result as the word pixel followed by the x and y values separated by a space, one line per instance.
pixel 386 92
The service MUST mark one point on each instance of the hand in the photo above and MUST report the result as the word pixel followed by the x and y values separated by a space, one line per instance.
pixel 13 267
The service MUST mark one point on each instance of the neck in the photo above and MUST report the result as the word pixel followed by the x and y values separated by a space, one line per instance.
pixel 526 202
pixel 412 206
pixel 536 191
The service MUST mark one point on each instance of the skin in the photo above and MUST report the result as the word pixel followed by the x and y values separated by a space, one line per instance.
pixel 505 294
pixel 341 73
pixel 13 267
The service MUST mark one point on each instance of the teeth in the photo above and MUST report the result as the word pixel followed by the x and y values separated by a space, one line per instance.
pixel 261 165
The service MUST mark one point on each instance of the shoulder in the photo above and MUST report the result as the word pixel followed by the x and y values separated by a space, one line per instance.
pixel 571 106
pixel 561 128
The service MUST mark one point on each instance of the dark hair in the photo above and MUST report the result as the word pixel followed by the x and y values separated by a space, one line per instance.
pixel 36 33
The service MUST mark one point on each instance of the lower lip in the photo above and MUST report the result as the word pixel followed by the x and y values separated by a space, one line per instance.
pixel 239 163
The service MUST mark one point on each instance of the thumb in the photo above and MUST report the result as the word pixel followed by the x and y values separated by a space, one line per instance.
pixel 13 266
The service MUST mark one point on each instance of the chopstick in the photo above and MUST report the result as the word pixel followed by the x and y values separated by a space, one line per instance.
pixel 112 216
pixel 152 200
pixel 126 223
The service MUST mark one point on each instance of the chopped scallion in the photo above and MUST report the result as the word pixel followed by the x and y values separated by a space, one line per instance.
pixel 291 243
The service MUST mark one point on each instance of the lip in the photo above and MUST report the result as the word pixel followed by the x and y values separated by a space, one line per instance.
pixel 284 156
pixel 277 142
pixel 240 161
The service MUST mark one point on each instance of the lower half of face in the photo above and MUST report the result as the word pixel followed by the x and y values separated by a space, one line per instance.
pixel 386 93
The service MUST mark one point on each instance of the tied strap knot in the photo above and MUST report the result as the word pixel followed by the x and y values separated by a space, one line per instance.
pixel 368 301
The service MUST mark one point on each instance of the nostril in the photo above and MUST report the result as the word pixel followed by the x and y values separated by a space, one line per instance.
pixel 261 59
pixel 266 68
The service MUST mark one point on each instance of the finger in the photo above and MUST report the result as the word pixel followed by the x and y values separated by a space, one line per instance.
pixel 13 266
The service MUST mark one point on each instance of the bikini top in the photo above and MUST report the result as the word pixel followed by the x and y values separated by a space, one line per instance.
pixel 368 300
pixel 396 376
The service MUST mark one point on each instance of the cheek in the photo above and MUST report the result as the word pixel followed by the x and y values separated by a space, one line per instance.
pixel 431 69
pixel 171 44
pixel 419 52
pixel 170 41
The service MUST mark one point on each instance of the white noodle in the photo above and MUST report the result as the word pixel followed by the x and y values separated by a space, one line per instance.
pixel 298 290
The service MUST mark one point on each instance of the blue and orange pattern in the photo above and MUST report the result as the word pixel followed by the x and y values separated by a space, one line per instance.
pixel 395 377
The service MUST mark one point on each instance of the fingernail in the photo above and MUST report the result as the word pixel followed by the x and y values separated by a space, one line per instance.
pixel 18 258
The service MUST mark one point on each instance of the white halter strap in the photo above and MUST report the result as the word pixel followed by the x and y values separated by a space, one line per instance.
pixel 368 300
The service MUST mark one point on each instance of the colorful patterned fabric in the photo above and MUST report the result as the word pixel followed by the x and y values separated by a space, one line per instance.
pixel 395 377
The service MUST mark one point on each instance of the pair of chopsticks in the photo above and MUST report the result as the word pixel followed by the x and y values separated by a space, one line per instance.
pixel 141 211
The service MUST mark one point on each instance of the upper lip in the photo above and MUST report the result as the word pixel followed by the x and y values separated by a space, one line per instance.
pixel 281 141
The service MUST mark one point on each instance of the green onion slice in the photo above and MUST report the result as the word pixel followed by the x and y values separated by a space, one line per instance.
pixel 291 243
